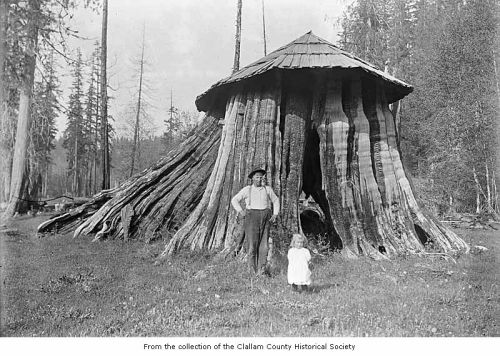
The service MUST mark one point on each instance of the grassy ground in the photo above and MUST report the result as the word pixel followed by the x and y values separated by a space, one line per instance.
pixel 57 286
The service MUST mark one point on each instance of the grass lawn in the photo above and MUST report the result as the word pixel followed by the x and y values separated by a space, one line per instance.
pixel 57 286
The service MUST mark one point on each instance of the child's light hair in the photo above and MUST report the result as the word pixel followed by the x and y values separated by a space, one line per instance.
pixel 298 238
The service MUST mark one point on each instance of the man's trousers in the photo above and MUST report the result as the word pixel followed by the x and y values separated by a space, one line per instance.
pixel 257 234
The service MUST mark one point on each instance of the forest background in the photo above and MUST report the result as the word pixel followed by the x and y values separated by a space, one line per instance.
pixel 449 127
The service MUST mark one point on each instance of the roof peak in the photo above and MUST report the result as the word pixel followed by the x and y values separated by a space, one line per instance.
pixel 309 34
pixel 307 38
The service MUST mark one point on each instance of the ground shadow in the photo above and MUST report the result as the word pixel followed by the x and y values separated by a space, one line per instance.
pixel 316 288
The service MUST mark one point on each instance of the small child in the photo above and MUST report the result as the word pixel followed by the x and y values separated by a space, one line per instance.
pixel 299 257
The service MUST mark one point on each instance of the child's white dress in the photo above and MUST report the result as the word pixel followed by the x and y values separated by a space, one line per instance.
pixel 298 266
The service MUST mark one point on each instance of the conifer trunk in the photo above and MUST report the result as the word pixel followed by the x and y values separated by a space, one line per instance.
pixel 18 178
pixel 106 164
pixel 237 44
pixel 4 117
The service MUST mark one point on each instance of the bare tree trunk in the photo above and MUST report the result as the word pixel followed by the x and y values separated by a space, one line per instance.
pixel 264 28
pixel 495 193
pixel 488 190
pixel 497 83
pixel 4 116
pixel 76 169
pixel 137 123
pixel 96 130
pixel 496 77
pixel 106 164
pixel 45 181
pixel 88 183
pixel 24 115
pixel 236 65
pixel 480 192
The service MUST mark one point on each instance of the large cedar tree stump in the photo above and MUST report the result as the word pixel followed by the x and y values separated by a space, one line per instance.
pixel 318 119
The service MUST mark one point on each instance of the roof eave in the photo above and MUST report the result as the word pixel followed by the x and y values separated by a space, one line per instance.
pixel 399 89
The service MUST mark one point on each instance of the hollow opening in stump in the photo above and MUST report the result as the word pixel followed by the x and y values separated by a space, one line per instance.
pixel 315 219
pixel 312 221
pixel 315 226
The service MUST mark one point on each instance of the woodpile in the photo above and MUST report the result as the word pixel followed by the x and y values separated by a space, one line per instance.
pixel 472 221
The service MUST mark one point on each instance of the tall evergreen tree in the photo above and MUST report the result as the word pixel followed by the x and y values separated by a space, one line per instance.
pixel 93 124
pixel 43 130
pixel 32 26
pixel 172 125
pixel 76 137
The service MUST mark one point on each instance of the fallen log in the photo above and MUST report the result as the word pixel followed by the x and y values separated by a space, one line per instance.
pixel 66 222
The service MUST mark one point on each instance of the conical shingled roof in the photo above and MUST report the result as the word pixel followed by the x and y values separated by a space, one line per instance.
pixel 308 51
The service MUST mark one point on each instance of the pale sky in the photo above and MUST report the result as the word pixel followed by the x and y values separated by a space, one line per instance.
pixel 190 43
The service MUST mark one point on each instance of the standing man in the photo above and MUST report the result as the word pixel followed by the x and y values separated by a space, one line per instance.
pixel 259 199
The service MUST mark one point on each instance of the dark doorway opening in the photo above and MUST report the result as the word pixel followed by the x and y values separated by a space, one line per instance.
pixel 315 217
pixel 312 221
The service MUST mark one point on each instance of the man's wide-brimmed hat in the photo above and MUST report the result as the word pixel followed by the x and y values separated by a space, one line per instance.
pixel 256 170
